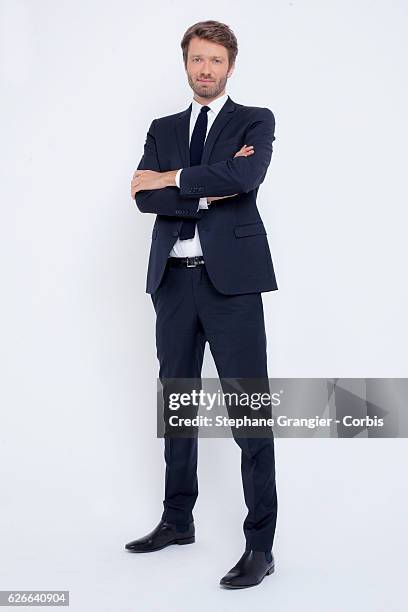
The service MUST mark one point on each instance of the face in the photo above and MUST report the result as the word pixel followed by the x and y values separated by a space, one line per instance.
pixel 207 69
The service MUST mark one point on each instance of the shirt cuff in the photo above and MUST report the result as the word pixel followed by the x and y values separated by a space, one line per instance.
pixel 202 203
pixel 177 178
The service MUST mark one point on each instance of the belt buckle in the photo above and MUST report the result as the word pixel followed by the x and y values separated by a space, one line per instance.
pixel 192 265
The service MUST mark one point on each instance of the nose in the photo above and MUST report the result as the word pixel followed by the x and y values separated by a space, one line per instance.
pixel 205 70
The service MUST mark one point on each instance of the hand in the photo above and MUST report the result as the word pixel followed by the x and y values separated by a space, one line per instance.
pixel 245 151
pixel 213 198
pixel 146 179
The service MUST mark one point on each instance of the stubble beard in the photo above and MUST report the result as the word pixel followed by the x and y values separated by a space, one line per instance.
pixel 209 90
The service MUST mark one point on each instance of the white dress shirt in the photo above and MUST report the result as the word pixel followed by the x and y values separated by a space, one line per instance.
pixel 192 246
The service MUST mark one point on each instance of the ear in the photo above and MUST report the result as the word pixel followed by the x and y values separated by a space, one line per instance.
pixel 230 70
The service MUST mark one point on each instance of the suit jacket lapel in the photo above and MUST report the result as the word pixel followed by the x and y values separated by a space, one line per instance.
pixel 183 136
pixel 183 131
pixel 224 116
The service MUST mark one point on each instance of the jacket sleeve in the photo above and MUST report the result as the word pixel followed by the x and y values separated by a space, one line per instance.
pixel 237 175
pixel 166 201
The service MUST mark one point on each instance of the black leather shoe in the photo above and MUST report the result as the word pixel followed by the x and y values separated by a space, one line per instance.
pixel 163 535
pixel 250 570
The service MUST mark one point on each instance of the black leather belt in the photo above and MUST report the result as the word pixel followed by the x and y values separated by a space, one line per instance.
pixel 186 262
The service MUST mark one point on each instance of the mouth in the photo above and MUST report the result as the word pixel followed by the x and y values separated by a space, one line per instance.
pixel 204 81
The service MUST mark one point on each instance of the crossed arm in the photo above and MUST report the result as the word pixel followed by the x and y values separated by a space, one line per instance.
pixel 156 192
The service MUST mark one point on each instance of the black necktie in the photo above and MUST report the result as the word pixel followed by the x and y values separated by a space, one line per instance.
pixel 196 152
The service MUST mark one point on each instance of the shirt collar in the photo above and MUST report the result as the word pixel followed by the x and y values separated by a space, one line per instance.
pixel 215 105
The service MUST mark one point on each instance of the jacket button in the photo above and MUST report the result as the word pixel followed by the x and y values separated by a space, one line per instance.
pixel 175 233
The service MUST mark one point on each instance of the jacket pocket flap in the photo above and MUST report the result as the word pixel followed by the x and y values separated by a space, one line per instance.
pixel 250 229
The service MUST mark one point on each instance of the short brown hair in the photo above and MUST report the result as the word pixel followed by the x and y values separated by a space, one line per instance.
pixel 214 31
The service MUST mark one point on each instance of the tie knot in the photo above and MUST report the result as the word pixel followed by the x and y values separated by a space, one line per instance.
pixel 205 109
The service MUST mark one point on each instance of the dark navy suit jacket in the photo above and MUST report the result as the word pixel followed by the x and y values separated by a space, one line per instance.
pixel 232 234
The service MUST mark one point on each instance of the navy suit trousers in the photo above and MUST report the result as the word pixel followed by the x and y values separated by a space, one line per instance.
pixel 189 313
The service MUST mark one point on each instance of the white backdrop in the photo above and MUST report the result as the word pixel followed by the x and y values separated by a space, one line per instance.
pixel 82 472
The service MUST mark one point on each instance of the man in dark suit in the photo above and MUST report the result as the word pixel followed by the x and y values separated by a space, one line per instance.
pixel 209 263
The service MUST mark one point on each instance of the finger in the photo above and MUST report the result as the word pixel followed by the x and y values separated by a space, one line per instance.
pixel 244 150
pixel 244 153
